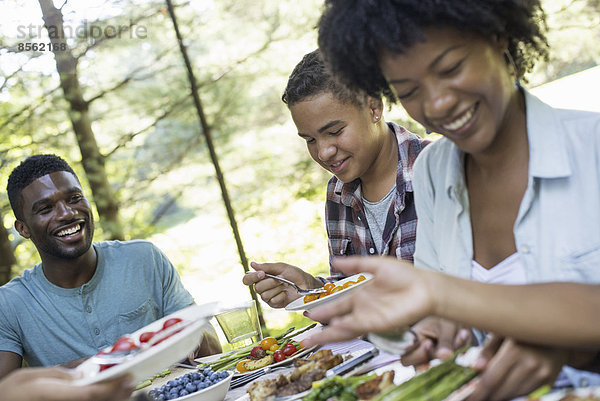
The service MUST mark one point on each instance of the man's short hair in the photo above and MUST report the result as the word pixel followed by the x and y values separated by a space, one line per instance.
pixel 28 171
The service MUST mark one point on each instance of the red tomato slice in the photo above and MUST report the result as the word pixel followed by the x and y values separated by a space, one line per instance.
pixel 106 366
pixel 124 343
pixel 146 336
pixel 170 322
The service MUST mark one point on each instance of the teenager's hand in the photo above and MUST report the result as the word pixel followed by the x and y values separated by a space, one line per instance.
pixel 438 338
pixel 512 369
pixel 397 296
pixel 273 292
pixel 54 384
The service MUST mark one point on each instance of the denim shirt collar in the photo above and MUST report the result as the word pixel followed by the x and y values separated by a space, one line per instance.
pixel 548 157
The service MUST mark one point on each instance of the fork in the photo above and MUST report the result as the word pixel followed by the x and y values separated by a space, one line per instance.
pixel 298 289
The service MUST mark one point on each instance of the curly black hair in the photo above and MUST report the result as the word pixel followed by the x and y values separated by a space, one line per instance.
pixel 311 77
pixel 353 33
pixel 28 171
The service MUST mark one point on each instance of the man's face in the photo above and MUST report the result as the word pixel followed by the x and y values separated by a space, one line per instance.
pixel 56 216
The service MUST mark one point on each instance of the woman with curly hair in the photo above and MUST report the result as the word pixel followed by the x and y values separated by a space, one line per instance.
pixel 511 194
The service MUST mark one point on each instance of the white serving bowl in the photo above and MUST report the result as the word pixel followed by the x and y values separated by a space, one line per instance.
pixel 216 392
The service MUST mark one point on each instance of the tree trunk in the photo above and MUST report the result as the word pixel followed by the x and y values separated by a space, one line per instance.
pixel 206 131
pixel 91 158
pixel 7 256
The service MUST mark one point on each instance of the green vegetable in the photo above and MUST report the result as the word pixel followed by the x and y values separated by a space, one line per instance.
pixel 143 384
pixel 340 388
pixel 230 359
pixel 435 384
pixel 163 373
pixel 545 389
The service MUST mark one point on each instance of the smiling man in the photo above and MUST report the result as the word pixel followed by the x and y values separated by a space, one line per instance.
pixel 83 295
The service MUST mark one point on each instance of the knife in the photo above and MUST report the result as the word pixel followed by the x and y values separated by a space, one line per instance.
pixel 350 364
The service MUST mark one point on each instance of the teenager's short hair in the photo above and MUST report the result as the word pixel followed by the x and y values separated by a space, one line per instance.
pixel 353 33
pixel 311 77
pixel 28 171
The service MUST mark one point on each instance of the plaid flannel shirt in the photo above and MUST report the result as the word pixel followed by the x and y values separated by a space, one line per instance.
pixel 347 228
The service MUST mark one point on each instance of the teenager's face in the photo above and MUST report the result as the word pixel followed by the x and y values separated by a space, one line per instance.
pixel 455 84
pixel 57 216
pixel 342 138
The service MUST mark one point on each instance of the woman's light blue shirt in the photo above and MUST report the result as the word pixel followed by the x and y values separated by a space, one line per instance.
pixel 557 230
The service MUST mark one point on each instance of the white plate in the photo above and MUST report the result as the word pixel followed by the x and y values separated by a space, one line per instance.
pixel 280 363
pixel 580 392
pixel 298 338
pixel 299 303
pixel 159 357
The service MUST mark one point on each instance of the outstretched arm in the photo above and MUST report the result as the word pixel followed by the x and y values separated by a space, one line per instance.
pixel 54 384
pixel 400 295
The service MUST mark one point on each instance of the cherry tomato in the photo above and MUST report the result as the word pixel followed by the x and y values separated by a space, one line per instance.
pixel 146 336
pixel 348 284
pixel 240 366
pixel 274 347
pixel 278 356
pixel 170 322
pixel 105 366
pixel 124 343
pixel 289 349
pixel 310 298
pixel 360 278
pixel 268 342
pixel 328 287
pixel 257 352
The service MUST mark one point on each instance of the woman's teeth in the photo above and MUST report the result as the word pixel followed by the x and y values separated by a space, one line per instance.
pixel 460 122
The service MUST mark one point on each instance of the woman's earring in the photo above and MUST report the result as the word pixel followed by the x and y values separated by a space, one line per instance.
pixel 376 118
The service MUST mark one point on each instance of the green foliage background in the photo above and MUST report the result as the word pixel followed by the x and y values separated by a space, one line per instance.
pixel 145 124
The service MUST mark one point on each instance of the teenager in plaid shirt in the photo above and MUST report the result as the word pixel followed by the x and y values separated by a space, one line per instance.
pixel 369 208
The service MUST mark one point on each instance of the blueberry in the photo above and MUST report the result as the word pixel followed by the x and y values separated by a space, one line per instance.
pixel 202 386
pixel 208 372
pixel 183 392
pixel 214 377
pixel 190 387
pixel 171 383
pixel 223 374
pixel 195 376
pixel 161 397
